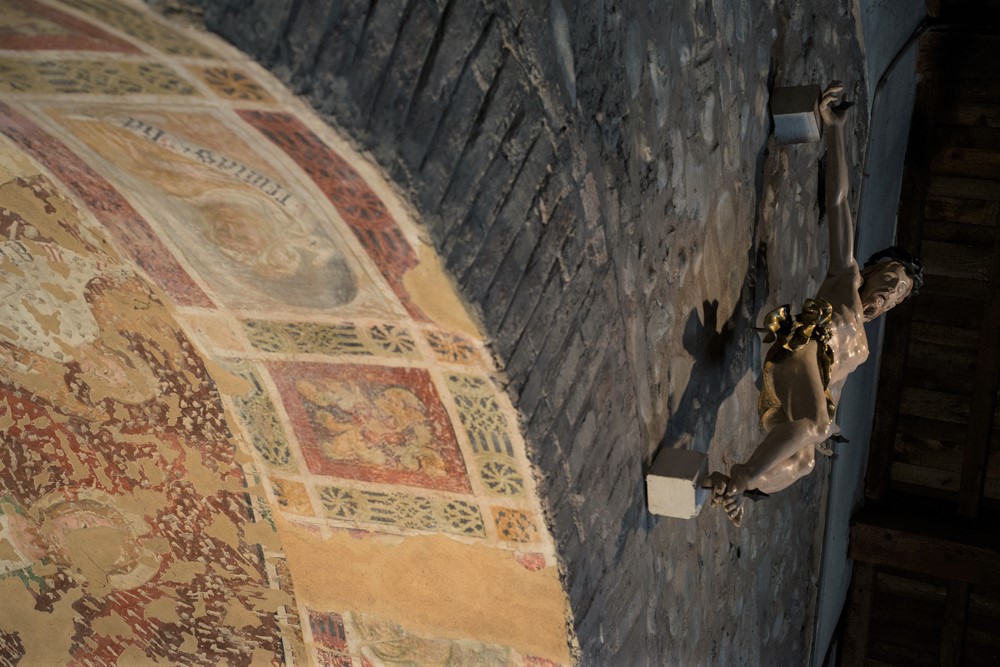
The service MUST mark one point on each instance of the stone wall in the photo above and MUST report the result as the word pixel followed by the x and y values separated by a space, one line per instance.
pixel 600 180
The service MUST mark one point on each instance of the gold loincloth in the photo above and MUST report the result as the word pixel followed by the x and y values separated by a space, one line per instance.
pixel 788 334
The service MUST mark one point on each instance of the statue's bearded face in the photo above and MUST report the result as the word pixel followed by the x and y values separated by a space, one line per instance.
pixel 886 284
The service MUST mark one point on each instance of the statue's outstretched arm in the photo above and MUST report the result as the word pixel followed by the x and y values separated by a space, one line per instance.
pixel 837 208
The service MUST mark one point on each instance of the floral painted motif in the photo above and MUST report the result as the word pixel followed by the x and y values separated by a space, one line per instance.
pixel 232 84
pixel 425 513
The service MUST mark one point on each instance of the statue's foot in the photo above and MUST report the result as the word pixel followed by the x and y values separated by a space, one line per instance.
pixel 733 505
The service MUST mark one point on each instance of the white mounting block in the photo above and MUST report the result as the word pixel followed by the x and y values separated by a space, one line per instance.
pixel 673 483
pixel 796 114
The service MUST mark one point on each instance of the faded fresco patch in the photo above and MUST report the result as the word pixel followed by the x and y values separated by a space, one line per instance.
pixel 26 25
pixel 125 224
pixel 363 639
pixel 119 484
pixel 245 231
pixel 142 26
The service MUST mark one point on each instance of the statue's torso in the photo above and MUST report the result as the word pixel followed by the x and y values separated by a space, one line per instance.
pixel 849 342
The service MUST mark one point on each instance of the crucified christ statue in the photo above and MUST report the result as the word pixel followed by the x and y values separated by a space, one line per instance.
pixel 812 353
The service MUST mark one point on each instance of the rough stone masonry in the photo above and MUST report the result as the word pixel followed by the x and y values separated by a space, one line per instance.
pixel 601 181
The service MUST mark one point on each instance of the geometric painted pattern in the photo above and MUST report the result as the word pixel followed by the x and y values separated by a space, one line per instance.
pixel 76 76
pixel 514 525
pixel 489 433
pixel 404 510
pixel 231 84
pixel 344 338
pixel 256 410
pixel 452 348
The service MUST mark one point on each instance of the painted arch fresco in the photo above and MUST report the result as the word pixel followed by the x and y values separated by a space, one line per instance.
pixel 245 420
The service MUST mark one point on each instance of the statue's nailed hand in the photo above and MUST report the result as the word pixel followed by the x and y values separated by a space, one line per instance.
pixel 831 106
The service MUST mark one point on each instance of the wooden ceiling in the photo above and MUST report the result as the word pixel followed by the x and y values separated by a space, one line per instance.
pixel 926 546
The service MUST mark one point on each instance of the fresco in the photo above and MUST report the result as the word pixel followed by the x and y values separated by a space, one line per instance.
pixel 246 420
pixel 252 238
pixel 119 477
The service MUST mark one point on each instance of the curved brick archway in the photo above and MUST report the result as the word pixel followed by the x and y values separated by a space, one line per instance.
pixel 599 180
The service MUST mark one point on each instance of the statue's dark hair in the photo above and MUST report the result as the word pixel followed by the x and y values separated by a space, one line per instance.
pixel 914 268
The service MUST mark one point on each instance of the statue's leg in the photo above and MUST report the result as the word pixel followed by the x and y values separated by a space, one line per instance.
pixel 798 385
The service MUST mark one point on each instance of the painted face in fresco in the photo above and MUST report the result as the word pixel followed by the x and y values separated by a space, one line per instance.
pixel 112 374
pixel 234 234
pixel 88 534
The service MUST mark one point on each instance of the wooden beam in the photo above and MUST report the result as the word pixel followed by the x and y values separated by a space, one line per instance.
pixel 984 393
pixel 953 631
pixel 858 611
pixel 965 188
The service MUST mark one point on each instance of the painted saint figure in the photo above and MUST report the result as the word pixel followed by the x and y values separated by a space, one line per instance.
pixel 813 353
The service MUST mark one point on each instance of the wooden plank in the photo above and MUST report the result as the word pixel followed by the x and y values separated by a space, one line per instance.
pixel 975 114
pixel 901 648
pixel 976 90
pixel 902 539
pixel 984 403
pixel 936 308
pixel 910 585
pixel 971 56
pixel 966 163
pixel 930 428
pixel 955 209
pixel 945 335
pixel 929 453
pixel 938 379
pixel 955 260
pixel 858 614
pixel 948 287
pixel 963 136
pixel 942 483
pixel 985 602
pixel 963 188
pixel 958 232
pixel 906 612
pixel 953 631
pixel 982 640
pixel 934 405
pixel 941 359
pixel 943 498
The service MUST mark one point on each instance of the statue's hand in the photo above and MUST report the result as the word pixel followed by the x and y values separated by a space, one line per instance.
pixel 828 103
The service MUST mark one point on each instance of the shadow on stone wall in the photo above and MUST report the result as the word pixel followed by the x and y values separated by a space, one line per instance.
pixel 723 353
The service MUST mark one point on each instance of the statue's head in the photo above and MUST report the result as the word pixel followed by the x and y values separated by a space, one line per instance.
pixel 890 276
